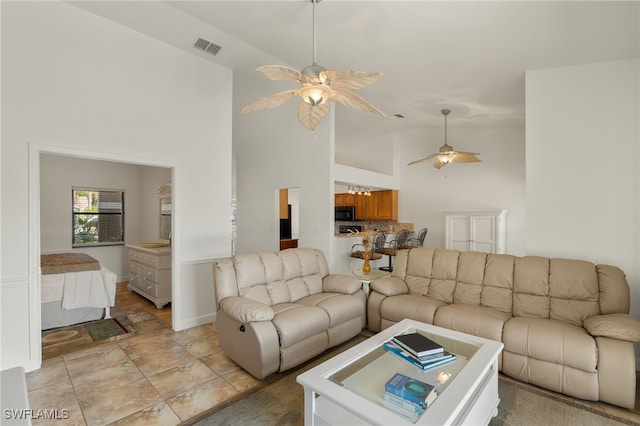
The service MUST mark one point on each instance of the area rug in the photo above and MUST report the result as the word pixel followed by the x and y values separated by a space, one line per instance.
pixel 279 401
pixel 60 341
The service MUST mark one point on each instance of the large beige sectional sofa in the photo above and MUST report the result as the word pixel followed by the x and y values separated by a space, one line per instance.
pixel 276 310
pixel 564 323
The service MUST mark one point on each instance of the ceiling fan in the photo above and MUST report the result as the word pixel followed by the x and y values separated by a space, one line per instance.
pixel 317 86
pixel 447 154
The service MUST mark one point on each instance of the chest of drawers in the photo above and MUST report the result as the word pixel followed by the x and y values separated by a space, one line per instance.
pixel 150 273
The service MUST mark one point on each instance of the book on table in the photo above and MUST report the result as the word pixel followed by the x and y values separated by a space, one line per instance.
pixel 404 408
pixel 418 344
pixel 425 363
pixel 410 390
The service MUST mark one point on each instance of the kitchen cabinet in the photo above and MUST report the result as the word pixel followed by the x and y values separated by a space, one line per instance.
pixel 345 200
pixel 380 205
pixel 288 243
pixel 284 204
pixel 482 231
pixel 150 273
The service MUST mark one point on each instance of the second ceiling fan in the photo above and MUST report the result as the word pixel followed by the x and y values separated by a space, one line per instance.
pixel 317 86
pixel 446 154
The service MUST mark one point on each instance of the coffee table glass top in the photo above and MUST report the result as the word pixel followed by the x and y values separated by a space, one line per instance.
pixel 372 275
pixel 367 375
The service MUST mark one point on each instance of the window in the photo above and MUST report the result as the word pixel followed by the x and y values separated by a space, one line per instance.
pixel 98 217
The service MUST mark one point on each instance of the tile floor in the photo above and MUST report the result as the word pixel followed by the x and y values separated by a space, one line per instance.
pixel 163 378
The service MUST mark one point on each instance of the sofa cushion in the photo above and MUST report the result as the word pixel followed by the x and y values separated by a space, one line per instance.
pixel 340 308
pixel 296 322
pixel 419 308
pixel 551 340
pixel 471 319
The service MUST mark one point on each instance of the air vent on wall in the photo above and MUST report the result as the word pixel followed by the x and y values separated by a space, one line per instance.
pixel 207 46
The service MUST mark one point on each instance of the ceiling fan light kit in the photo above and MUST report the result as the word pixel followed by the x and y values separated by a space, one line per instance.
pixel 317 86
pixel 446 154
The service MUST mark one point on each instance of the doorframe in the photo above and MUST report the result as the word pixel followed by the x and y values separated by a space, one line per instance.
pixel 34 298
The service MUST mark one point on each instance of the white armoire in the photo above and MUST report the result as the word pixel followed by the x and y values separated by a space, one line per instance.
pixel 482 231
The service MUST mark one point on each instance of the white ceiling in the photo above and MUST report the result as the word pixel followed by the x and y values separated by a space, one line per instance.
pixel 469 56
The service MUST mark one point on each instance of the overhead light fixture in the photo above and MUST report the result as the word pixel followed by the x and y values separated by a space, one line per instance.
pixel 446 154
pixel 317 86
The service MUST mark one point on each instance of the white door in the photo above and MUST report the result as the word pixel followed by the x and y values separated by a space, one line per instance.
pixel 482 231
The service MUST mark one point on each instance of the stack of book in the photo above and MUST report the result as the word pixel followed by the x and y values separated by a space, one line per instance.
pixel 419 350
pixel 408 396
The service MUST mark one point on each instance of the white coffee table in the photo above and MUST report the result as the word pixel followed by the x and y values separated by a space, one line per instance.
pixel 348 389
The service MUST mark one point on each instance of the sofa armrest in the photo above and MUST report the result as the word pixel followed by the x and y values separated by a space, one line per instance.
pixel 246 310
pixel 340 283
pixel 389 286
pixel 617 326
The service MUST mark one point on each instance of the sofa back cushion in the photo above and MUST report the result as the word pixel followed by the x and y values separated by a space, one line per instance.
pixel 533 286
pixel 271 277
pixel 560 289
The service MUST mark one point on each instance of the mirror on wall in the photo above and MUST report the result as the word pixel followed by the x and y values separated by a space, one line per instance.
pixel 164 196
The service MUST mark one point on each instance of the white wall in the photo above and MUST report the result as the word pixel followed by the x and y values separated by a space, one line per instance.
pixel 58 174
pixel 74 83
pixel 272 151
pixel 498 182
pixel 583 165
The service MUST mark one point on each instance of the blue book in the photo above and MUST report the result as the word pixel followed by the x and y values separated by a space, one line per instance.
pixel 404 408
pixel 411 390
pixel 426 363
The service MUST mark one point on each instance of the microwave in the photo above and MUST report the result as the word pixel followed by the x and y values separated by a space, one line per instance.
pixel 345 213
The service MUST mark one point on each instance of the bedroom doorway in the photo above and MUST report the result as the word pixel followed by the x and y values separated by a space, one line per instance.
pixel 143 223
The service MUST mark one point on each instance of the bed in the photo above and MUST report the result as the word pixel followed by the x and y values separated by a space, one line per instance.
pixel 75 288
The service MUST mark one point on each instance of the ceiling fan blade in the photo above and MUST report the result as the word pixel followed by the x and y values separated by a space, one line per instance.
pixel 271 101
pixel 466 157
pixel 310 115
pixel 280 73
pixel 424 159
pixel 439 164
pixel 351 80
pixel 351 100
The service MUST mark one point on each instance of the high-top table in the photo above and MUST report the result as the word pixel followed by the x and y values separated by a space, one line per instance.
pixel 349 388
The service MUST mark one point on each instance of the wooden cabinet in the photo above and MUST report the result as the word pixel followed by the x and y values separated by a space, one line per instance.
pixel 288 243
pixel 150 273
pixel 380 205
pixel 345 200
pixel 284 204
pixel 387 205
pixel 482 231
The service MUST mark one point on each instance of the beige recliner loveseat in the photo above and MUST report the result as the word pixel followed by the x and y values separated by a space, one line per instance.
pixel 276 310
pixel 564 323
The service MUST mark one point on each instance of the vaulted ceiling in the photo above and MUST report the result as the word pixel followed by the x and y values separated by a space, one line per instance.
pixel 469 56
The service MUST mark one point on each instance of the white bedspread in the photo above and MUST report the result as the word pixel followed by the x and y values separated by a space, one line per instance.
pixel 85 289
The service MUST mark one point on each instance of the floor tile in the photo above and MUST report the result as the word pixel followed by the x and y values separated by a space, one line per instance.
pixel 241 380
pixel 177 380
pixel 158 415
pixel 57 396
pixel 157 362
pixel 53 371
pixel 105 379
pixel 145 345
pixel 199 399
pixel 102 408
pixel 220 363
pixel 86 361
pixel 203 347
pixel 185 336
